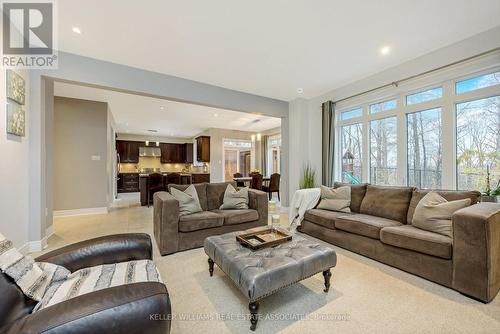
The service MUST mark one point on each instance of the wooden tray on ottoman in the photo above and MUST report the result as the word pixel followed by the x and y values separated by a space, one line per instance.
pixel 268 237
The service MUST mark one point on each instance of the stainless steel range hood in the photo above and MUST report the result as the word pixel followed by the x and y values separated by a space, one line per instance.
pixel 149 152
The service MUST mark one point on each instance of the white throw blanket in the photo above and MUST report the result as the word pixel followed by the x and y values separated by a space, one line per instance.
pixel 303 200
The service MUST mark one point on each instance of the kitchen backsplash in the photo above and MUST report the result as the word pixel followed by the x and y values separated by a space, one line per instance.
pixel 151 162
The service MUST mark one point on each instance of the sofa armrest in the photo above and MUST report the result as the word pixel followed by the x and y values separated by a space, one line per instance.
pixel 103 250
pixel 257 200
pixel 166 222
pixel 132 308
pixel 476 251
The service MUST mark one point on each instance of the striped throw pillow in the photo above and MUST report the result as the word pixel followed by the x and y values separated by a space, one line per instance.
pixel 100 277
pixel 31 277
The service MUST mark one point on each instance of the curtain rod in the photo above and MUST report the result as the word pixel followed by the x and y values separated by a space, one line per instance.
pixel 396 83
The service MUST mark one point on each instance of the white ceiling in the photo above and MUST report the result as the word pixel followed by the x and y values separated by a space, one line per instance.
pixel 269 48
pixel 136 114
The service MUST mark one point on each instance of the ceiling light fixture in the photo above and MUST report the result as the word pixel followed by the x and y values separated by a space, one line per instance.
pixel 77 30
pixel 300 90
pixel 384 51
pixel 162 108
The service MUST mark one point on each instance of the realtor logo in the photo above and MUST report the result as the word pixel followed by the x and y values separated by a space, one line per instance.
pixel 28 34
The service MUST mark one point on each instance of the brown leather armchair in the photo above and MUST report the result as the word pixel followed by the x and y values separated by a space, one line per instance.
pixel 131 308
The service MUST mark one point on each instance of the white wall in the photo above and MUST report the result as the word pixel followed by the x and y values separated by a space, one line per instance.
pixel 14 173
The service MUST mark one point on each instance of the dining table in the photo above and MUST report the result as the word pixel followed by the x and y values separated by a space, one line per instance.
pixel 248 179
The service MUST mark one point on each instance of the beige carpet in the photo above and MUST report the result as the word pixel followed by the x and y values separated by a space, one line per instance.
pixel 365 297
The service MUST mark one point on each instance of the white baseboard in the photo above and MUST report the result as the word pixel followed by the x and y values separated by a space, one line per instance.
pixel 80 212
pixel 38 245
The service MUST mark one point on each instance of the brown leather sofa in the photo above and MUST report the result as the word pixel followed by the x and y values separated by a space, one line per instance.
pixel 131 308
pixel 174 233
pixel 379 227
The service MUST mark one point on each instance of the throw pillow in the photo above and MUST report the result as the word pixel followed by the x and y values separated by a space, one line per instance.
pixel 33 278
pixel 433 213
pixel 189 202
pixel 335 199
pixel 235 199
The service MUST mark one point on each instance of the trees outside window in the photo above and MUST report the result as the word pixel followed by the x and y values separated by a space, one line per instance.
pixel 478 143
pixel 383 151
pixel 352 143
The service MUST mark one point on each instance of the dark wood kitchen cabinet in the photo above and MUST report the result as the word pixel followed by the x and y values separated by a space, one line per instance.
pixel 171 153
pixel 203 149
pixel 200 178
pixel 128 182
pixel 128 151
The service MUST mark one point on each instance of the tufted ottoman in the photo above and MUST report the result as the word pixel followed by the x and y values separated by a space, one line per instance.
pixel 261 273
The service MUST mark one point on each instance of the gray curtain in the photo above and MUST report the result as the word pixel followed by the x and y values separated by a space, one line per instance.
pixel 263 155
pixel 328 144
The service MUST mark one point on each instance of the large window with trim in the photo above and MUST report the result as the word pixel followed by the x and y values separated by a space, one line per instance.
pixel 424 148
pixel 383 151
pixel 352 148
pixel 437 131
pixel 478 143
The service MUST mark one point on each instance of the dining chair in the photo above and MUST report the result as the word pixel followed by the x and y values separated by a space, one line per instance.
pixel 239 183
pixel 274 186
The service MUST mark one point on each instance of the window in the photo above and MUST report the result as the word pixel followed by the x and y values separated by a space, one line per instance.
pixel 427 95
pixel 352 142
pixel 274 154
pixel 383 106
pixel 478 143
pixel 383 151
pixel 351 114
pixel 424 149
pixel 477 83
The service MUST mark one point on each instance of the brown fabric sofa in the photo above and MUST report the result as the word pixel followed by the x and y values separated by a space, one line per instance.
pixel 174 233
pixel 379 227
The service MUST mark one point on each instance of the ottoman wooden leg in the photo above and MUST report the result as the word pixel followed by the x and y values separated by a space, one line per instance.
pixel 211 266
pixel 327 274
pixel 254 309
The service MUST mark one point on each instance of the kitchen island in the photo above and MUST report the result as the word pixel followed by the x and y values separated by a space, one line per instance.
pixel 186 178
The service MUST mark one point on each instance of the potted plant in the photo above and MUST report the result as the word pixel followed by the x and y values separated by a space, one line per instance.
pixel 308 179
pixel 490 195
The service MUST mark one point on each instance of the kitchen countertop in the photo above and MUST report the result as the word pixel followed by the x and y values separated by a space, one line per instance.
pixel 182 174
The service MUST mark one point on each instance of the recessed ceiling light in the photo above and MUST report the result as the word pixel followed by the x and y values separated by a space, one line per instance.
pixel 162 108
pixel 77 30
pixel 300 90
pixel 216 115
pixel 385 50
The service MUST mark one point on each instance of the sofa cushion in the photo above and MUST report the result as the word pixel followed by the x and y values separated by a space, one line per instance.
pixel 433 213
pixel 388 202
pixel 335 199
pixel 322 217
pixel 358 192
pixel 366 225
pixel 200 221
pixel 235 199
pixel 240 216
pixel 201 189
pixel 188 200
pixel 449 195
pixel 412 238
pixel 215 194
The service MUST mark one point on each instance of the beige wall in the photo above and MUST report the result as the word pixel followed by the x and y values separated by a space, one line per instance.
pixel 80 154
